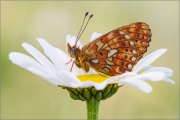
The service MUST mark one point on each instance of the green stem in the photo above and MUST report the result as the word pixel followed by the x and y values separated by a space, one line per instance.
pixel 92 108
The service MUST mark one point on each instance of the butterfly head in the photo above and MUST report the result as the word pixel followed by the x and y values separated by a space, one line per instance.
pixel 72 50
pixel 74 53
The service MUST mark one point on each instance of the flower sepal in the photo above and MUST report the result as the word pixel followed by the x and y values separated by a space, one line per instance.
pixel 85 94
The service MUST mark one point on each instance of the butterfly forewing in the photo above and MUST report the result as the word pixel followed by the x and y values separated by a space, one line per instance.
pixel 118 50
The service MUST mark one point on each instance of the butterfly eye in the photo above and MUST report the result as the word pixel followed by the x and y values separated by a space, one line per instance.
pixel 73 51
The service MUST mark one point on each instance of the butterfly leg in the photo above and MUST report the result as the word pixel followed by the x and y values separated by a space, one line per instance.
pixel 72 66
pixel 69 61
pixel 95 69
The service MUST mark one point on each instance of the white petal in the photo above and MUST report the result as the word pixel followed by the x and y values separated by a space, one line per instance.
pixel 153 76
pixel 92 71
pixel 40 57
pixel 84 84
pixel 94 36
pixel 167 71
pixel 121 77
pixel 98 86
pixel 147 60
pixel 72 40
pixel 168 80
pixel 56 57
pixel 67 79
pixel 148 67
pixel 25 61
pixel 77 71
pixel 62 55
pixel 31 65
pixel 45 76
pixel 142 85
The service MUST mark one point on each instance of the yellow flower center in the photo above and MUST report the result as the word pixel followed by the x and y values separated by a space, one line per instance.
pixel 92 77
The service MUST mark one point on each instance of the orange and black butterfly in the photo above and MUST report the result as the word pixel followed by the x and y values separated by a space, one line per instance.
pixel 115 52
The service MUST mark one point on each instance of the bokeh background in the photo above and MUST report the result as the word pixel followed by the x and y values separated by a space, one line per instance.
pixel 27 96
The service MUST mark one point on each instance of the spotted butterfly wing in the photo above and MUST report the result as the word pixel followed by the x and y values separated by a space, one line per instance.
pixel 118 50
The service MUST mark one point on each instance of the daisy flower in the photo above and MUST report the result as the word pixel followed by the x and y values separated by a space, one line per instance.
pixel 91 85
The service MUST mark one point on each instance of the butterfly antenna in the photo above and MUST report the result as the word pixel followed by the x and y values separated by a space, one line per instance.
pixel 86 25
pixel 81 27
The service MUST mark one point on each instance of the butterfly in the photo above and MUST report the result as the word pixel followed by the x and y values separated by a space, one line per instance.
pixel 115 52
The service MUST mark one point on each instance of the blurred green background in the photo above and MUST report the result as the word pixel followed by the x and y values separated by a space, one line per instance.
pixel 27 96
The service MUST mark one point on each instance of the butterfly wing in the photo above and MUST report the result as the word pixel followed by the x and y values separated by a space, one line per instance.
pixel 118 50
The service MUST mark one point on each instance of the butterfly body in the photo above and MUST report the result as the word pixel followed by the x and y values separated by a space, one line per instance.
pixel 115 52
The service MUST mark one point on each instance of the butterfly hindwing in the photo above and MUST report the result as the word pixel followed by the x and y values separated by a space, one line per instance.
pixel 118 50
